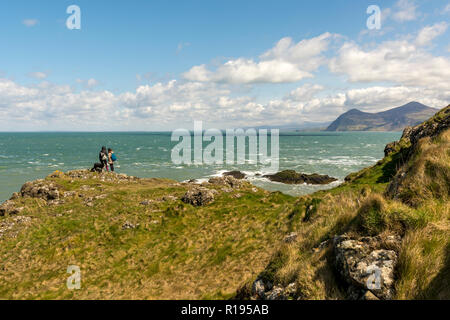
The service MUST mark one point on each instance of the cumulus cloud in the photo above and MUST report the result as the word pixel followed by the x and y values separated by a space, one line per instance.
pixel 405 67
pixel 30 22
pixel 285 62
pixel 400 62
pixel 427 34
pixel 174 104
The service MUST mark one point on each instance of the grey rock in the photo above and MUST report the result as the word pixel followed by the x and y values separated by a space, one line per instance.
pixel 68 194
pixel 146 202
pixel 15 196
pixel 291 237
pixel 7 207
pixel 129 225
pixel 198 196
pixel 277 293
pixel 40 189
pixel 229 181
pixel 235 174
pixel 258 289
pixel 390 148
pixel 364 267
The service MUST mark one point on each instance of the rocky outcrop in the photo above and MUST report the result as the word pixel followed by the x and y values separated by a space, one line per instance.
pixel 235 174
pixel 290 238
pixel 10 208
pixel 430 128
pixel 227 181
pixel 267 291
pixel 40 189
pixel 293 177
pixel 128 225
pixel 9 226
pixel 390 148
pixel 367 264
pixel 411 136
pixel 198 196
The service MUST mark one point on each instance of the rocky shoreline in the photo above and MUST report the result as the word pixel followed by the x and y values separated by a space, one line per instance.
pixel 289 177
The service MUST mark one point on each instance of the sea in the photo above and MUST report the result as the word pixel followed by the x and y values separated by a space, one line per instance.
pixel 29 156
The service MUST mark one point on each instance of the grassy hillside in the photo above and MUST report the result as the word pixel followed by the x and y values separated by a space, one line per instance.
pixel 165 249
pixel 136 239
pixel 418 211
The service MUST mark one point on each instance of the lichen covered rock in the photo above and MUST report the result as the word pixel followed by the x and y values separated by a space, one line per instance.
pixel 40 189
pixel 365 267
pixel 198 196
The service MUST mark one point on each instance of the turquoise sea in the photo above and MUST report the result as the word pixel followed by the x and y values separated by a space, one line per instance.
pixel 29 156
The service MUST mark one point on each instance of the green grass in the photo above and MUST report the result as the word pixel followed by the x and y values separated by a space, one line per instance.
pixel 177 251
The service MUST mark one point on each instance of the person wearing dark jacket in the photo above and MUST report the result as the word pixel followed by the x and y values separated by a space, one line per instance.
pixel 103 157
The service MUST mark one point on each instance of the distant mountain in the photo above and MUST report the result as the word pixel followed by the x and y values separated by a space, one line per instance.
pixel 396 119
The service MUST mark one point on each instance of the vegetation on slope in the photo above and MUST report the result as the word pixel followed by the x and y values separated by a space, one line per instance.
pixel 161 249
pixel 406 194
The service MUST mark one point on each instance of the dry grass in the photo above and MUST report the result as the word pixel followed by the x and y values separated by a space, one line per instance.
pixel 177 252
pixel 359 208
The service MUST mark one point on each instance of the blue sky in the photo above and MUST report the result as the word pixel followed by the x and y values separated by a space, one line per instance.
pixel 159 65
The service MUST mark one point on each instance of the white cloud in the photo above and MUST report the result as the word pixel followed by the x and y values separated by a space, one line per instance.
pixel 176 104
pixel 405 11
pixel 286 62
pixel 38 75
pixel 427 34
pixel 198 73
pixel 399 62
pixel 30 22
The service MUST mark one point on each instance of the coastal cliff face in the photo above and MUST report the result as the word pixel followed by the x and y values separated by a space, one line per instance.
pixel 383 234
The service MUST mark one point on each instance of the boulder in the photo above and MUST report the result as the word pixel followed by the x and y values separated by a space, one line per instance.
pixel 228 181
pixel 365 268
pixel 291 237
pixel 9 207
pixel 258 289
pixel 129 225
pixel 390 148
pixel 277 293
pixel 235 174
pixel 14 196
pixel 68 194
pixel 293 177
pixel 198 196
pixel 40 189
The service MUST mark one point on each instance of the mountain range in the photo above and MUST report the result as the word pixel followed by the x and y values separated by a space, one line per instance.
pixel 396 119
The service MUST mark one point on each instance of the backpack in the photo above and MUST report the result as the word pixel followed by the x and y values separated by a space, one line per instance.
pixel 113 157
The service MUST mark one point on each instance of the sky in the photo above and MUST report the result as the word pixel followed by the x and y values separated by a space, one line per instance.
pixel 161 65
